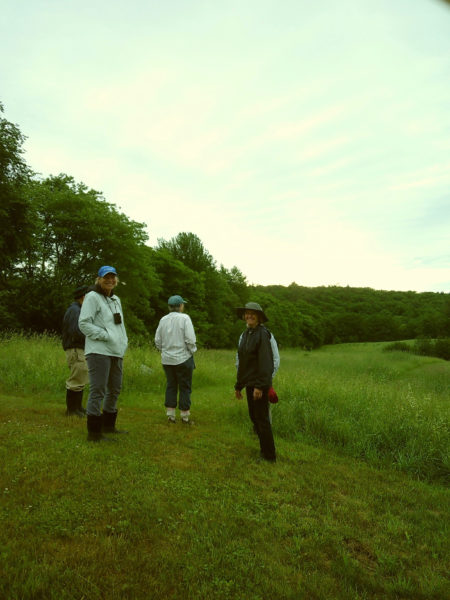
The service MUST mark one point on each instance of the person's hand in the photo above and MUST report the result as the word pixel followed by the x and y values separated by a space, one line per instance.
pixel 238 394
pixel 257 393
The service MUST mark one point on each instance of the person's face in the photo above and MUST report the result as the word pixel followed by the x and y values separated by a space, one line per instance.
pixel 108 282
pixel 251 318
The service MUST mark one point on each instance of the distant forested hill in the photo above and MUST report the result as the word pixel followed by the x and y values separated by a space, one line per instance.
pixel 345 314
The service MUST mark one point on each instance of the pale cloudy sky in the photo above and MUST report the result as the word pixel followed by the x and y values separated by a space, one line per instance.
pixel 301 141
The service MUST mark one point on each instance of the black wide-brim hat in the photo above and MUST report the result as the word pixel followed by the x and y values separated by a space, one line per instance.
pixel 81 291
pixel 251 306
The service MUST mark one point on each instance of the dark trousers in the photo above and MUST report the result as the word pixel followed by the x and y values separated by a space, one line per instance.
pixel 179 379
pixel 258 411
pixel 105 382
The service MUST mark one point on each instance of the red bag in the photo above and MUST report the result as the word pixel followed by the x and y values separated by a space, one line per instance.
pixel 273 398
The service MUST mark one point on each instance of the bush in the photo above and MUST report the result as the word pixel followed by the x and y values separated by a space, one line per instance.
pixel 439 348
pixel 442 348
pixel 397 346
pixel 424 347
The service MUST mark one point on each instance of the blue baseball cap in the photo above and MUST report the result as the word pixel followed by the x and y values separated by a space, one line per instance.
pixel 105 270
pixel 176 301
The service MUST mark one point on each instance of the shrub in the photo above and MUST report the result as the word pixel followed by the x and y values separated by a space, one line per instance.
pixel 442 348
pixel 397 346
pixel 423 347
pixel 439 348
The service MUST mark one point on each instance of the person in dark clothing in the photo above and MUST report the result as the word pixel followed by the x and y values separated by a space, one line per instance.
pixel 73 344
pixel 255 368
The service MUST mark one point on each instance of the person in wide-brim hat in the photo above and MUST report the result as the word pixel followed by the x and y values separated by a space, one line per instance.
pixel 240 311
pixel 254 373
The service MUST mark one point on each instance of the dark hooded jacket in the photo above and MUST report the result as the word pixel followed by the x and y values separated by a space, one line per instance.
pixel 71 334
pixel 255 359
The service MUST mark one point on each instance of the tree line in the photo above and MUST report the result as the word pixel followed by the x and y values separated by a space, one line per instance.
pixel 55 232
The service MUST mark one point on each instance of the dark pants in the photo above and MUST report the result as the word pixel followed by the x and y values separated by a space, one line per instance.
pixel 179 379
pixel 105 382
pixel 258 411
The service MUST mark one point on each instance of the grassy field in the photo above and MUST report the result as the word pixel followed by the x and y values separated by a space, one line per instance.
pixel 355 508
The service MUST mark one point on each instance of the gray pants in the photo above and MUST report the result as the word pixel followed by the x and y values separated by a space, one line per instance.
pixel 105 383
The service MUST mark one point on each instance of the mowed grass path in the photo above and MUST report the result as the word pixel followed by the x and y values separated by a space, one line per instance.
pixel 173 512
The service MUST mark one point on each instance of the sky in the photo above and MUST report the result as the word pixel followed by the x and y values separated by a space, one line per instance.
pixel 301 141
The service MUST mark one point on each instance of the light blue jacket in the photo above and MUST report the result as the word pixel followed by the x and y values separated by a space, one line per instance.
pixel 103 335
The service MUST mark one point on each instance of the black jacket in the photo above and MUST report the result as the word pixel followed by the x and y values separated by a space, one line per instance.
pixel 71 334
pixel 255 359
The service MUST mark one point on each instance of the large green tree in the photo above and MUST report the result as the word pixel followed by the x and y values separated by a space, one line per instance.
pixel 75 232
pixel 14 207
pixel 213 293
pixel 188 248
pixel 177 278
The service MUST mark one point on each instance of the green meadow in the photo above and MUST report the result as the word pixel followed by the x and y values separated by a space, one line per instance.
pixel 356 507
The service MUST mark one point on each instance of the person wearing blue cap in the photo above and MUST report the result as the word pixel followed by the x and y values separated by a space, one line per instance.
pixel 101 321
pixel 175 339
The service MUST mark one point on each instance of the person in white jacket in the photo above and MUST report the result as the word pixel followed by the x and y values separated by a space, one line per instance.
pixel 101 321
pixel 175 339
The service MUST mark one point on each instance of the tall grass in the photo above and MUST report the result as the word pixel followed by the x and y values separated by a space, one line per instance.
pixel 388 408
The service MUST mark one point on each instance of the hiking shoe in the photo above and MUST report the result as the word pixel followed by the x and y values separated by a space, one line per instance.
pixel 187 422
pixel 171 419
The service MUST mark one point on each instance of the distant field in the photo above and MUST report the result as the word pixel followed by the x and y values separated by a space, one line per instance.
pixel 355 507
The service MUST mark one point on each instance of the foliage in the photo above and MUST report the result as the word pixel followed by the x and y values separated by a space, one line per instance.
pixel 187 268
pixel 177 278
pixel 187 248
pixel 427 347
pixel 397 347
pixel 439 348
pixel 74 231
pixel 442 348
pixel 345 314
pixel 14 215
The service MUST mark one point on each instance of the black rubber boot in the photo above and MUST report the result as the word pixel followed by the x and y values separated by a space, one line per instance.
pixel 94 427
pixel 109 423
pixel 72 404
pixel 79 404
